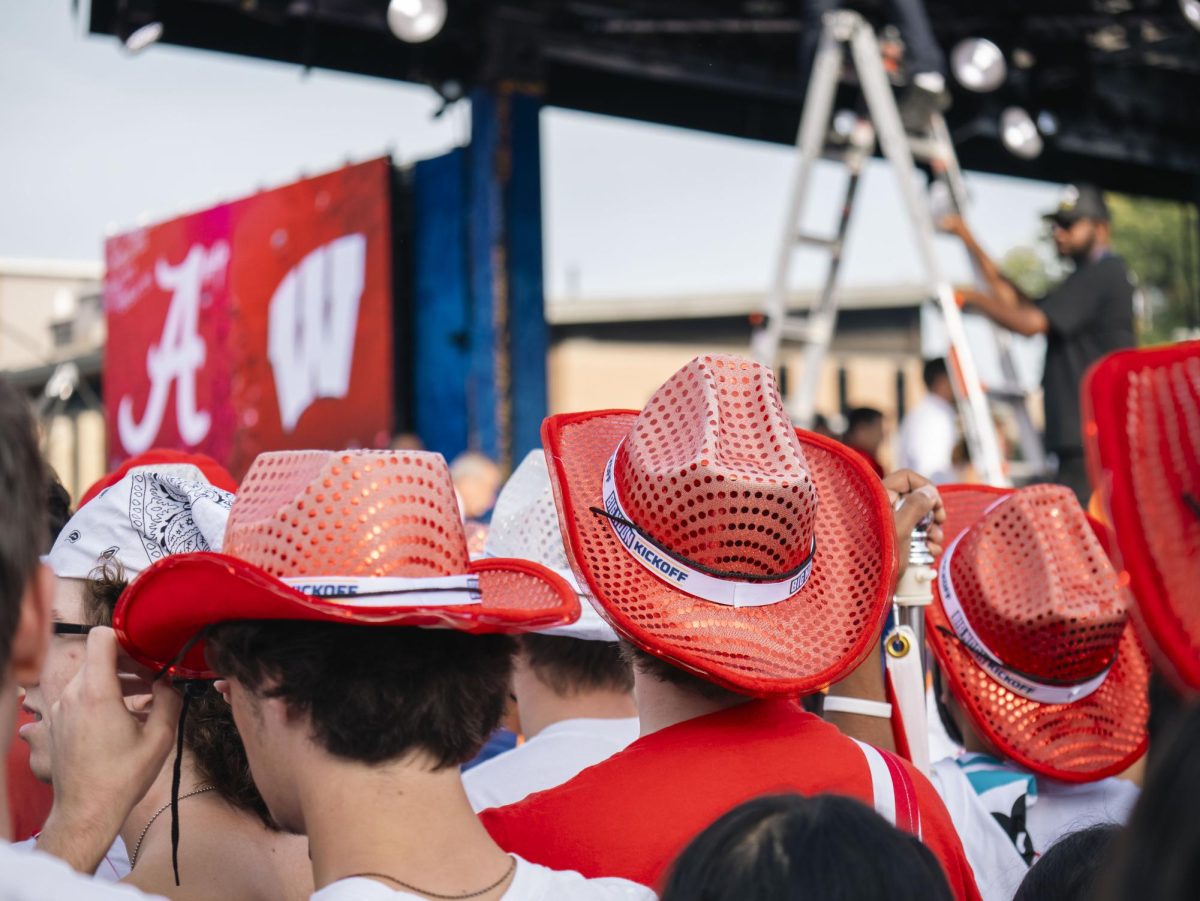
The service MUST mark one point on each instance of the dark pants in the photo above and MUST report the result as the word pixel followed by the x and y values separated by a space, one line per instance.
pixel 1072 473
pixel 921 49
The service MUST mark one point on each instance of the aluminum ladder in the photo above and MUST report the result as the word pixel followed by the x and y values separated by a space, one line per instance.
pixel 774 326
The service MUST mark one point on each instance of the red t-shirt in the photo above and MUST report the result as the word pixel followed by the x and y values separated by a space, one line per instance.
pixel 631 815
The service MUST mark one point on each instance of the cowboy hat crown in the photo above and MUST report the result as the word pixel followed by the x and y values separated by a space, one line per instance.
pixel 711 533
pixel 1036 586
pixel 712 471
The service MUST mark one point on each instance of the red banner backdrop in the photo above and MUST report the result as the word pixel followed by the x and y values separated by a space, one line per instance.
pixel 261 324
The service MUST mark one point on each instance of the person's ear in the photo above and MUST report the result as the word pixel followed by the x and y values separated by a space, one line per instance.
pixel 32 637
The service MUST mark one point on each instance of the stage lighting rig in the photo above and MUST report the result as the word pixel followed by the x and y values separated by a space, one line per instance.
pixel 1019 134
pixel 978 65
pixel 1191 12
pixel 141 38
pixel 416 21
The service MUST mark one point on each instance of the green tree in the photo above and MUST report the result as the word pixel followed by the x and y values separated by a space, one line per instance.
pixel 1026 268
pixel 1160 243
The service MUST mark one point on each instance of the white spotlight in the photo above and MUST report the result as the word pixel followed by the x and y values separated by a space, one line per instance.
pixel 1191 12
pixel 141 38
pixel 1047 123
pixel 979 65
pixel 1019 134
pixel 416 21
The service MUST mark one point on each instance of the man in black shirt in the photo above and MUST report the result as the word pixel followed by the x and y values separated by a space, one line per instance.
pixel 1087 316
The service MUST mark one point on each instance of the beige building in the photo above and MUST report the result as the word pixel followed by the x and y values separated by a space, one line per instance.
pixel 604 352
pixel 615 352
pixel 51 344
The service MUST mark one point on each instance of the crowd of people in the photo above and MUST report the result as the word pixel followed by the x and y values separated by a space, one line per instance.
pixel 289 686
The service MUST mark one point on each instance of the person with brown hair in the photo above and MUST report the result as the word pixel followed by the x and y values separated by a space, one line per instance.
pixel 572 686
pixel 230 847
pixel 109 756
pixel 748 564
pixel 356 719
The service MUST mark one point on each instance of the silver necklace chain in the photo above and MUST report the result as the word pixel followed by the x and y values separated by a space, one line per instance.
pixel 512 865
pixel 138 847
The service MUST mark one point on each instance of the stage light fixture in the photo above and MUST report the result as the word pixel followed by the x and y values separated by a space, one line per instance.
pixel 1019 134
pixel 1047 123
pixel 416 21
pixel 979 65
pixel 1191 12
pixel 141 38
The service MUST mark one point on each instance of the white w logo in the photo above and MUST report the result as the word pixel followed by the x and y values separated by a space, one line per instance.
pixel 313 320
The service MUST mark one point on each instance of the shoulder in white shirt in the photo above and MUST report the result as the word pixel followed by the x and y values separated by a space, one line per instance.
pixel 27 875
pixel 531 882
pixel 113 868
pixel 926 439
pixel 555 755
pixel 1060 809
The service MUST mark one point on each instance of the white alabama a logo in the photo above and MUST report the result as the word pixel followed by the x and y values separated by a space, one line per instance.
pixel 312 326
pixel 179 353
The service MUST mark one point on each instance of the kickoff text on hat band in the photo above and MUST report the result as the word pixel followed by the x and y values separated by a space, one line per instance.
pixel 1018 683
pixel 684 576
pixel 377 591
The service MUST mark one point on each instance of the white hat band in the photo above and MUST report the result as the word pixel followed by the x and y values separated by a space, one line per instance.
pixel 376 591
pixel 1018 683
pixel 682 575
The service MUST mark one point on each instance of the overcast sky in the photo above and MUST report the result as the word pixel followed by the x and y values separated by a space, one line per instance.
pixel 91 139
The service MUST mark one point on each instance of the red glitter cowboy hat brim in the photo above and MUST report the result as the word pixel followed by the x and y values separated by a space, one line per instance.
pixel 1142 456
pixel 1100 735
pixel 165 609
pixel 790 648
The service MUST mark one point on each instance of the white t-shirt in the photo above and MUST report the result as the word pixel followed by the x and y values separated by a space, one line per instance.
pixel 927 438
pixel 531 882
pixel 113 868
pixel 1060 808
pixel 33 876
pixel 555 755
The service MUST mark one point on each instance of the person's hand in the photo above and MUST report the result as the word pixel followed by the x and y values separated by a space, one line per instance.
pixel 913 497
pixel 103 757
pixel 953 224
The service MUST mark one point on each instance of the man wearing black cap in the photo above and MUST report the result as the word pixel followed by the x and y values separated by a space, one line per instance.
pixel 1086 317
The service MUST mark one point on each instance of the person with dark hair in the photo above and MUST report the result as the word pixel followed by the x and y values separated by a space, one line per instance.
pixel 230 847
pixel 355 720
pixel 573 688
pixel 1086 317
pixel 1071 870
pixel 746 564
pixel 58 507
pixel 929 431
pixel 1038 674
pixel 792 848
pixel 864 434
pixel 29 800
pixel 1157 854
pixel 109 757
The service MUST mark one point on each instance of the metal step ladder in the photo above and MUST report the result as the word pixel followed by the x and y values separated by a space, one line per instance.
pixel 853 145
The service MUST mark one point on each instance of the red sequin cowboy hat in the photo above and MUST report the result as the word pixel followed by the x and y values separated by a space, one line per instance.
pixel 1030 629
pixel 714 535
pixel 366 537
pixel 1142 434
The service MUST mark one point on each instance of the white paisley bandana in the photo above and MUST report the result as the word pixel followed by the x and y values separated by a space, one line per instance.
pixel 154 511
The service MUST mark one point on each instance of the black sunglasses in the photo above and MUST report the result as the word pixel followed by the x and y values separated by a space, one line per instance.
pixel 71 629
